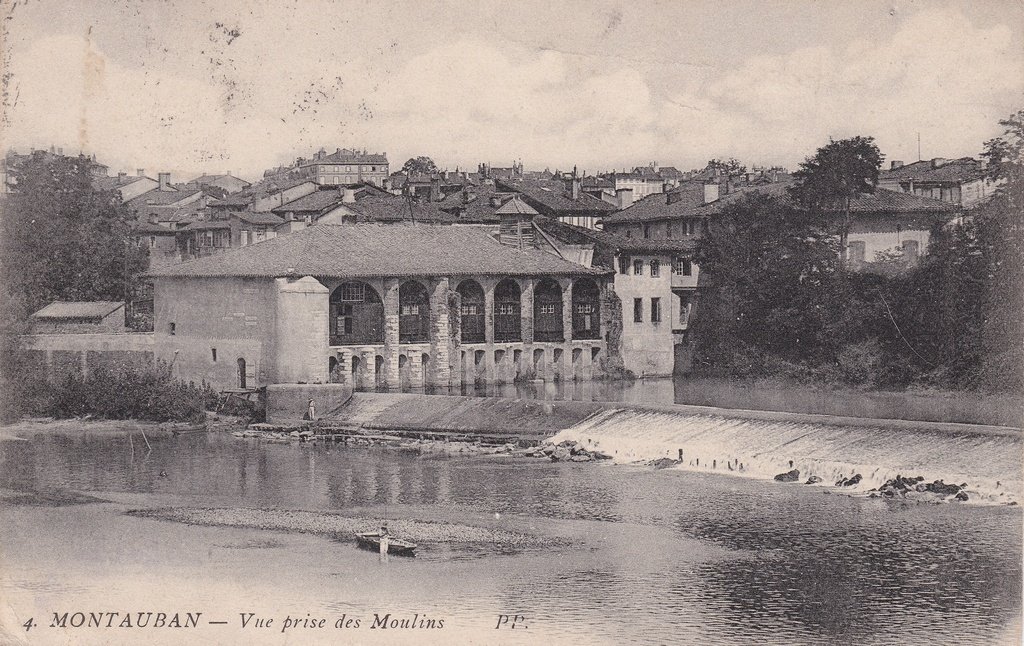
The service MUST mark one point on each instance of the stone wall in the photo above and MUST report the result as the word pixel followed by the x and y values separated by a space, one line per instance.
pixel 289 402
pixel 59 355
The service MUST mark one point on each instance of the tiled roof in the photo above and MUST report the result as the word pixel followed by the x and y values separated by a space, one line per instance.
pixel 158 197
pixel 150 228
pixel 113 183
pixel 882 201
pixel 373 250
pixel 209 179
pixel 205 225
pixel 78 310
pixel 550 196
pixel 515 206
pixel 396 208
pixel 657 207
pixel 479 208
pixel 616 242
pixel 315 202
pixel 259 218
pixel 345 156
pixel 953 170
pixel 263 188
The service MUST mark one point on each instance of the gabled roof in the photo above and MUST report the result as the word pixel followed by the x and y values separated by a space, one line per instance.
pixel 210 179
pixel 315 202
pixel 374 250
pixel 114 183
pixel 676 203
pixel 78 310
pixel 398 208
pixel 615 242
pixel 550 196
pixel 515 206
pixel 478 208
pixel 158 197
pixel 143 227
pixel 936 170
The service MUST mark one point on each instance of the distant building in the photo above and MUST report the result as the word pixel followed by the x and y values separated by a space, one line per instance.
pixel 963 181
pixel 563 200
pixel 646 180
pixel 127 187
pixel 79 317
pixel 345 166
pixel 226 182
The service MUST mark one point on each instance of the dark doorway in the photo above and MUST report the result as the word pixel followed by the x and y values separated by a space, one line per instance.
pixel 471 311
pixel 547 311
pixel 507 311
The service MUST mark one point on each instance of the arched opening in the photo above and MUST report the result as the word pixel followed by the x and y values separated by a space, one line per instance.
pixel 241 373
pixel 425 359
pixel 507 306
pixel 404 373
pixel 471 312
pixel 356 376
pixel 586 308
pixel 378 371
pixel 357 315
pixel 332 368
pixel 414 313
pixel 547 311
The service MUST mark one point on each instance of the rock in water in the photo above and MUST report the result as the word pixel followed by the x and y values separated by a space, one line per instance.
pixel 664 463
pixel 849 482
pixel 561 453
pixel 789 476
pixel 813 480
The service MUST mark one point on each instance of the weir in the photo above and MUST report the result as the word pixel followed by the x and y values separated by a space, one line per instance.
pixel 764 444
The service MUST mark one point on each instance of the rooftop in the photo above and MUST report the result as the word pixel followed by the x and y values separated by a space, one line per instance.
pixel 374 250
pixel 345 156
pixel 78 310
pixel 550 195
pixel 936 170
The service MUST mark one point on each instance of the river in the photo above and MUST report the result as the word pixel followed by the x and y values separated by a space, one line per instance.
pixel 656 556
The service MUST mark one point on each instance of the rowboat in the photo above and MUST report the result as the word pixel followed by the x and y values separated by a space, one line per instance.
pixel 396 546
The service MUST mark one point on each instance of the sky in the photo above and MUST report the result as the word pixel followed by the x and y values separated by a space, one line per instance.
pixel 191 86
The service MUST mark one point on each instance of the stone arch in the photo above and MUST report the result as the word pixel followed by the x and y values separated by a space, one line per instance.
pixel 414 313
pixel 471 311
pixel 547 311
pixel 507 311
pixel 586 309
pixel 357 315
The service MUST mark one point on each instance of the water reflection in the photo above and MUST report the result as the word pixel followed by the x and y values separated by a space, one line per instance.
pixel 669 556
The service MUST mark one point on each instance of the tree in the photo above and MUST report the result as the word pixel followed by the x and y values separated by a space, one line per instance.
pixel 731 166
pixel 62 240
pixel 836 174
pixel 420 165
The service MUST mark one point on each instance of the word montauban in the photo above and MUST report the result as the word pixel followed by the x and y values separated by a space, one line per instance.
pixel 246 620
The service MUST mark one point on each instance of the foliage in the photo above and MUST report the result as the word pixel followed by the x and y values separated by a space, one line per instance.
pixel 117 392
pixel 731 166
pixel 62 240
pixel 420 165
pixel 837 172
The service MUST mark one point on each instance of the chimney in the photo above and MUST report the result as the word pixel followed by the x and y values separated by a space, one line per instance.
pixel 938 162
pixel 624 196
pixel 165 181
pixel 673 197
pixel 349 195
pixel 60 151
pixel 495 201
pixel 893 165
pixel 121 175
pixel 141 172
pixel 654 166
pixel 576 186
pixel 435 189
pixel 710 192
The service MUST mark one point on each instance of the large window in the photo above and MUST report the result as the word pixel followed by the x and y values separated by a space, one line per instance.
pixel 414 313
pixel 357 315
pixel 655 269
pixel 638 310
pixel 655 310
pixel 471 312
pixel 682 267
pixel 547 311
pixel 638 267
pixel 586 308
pixel 507 316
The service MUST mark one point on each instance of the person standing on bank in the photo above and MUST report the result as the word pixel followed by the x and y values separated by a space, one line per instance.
pixel 384 542
pixel 310 411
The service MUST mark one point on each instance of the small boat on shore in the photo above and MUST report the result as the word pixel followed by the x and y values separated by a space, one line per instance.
pixel 396 546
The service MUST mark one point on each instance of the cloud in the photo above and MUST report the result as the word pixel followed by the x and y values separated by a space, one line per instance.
pixel 254 102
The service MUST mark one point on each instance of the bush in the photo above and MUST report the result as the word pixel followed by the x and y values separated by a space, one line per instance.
pixel 123 392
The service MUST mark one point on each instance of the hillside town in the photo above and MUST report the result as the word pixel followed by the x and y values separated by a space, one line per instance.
pixel 338 269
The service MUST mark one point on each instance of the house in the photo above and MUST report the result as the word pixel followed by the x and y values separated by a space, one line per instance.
pixel 964 182
pixel 478 204
pixel 345 166
pixel 266 194
pixel 79 317
pixel 396 305
pixel 646 180
pixel 167 194
pixel 226 182
pixel 564 200
pixel 127 187
pixel 657 285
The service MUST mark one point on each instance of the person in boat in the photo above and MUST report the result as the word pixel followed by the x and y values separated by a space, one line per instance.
pixel 385 540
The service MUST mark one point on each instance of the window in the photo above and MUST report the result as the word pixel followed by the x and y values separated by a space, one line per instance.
pixel 213 353
pixel 245 237
pixel 647 231
pixel 655 269
pixel 547 309
pixel 682 267
pixel 689 227
pixel 638 310
pixel 623 265
pixel 655 310
pixel 684 310
pixel 171 328
pixel 410 310
pixel 152 241
pixel 638 267
pixel 471 309
pixel 629 233
pixel 508 309
pixel 345 319
pixel 260 234
pixel 353 292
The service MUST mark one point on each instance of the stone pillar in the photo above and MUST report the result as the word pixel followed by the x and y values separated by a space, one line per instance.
pixel 369 361
pixel 489 312
pixel 440 334
pixel 301 331
pixel 586 364
pixel 566 310
pixel 526 310
pixel 391 339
